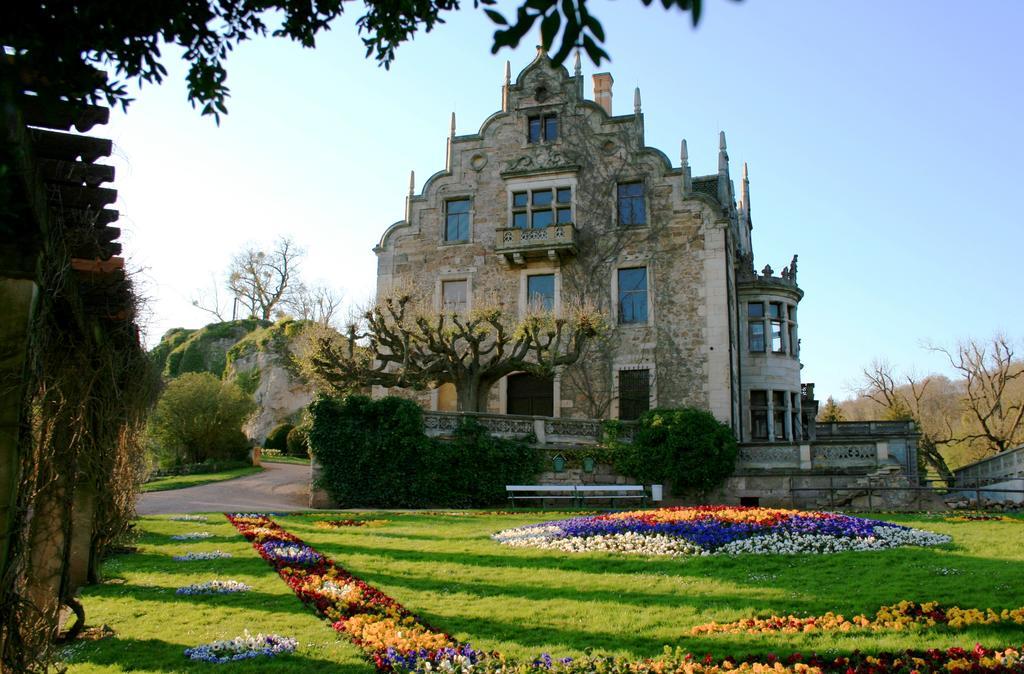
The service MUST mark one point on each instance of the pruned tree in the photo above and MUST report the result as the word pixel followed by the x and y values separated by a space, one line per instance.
pixel 907 402
pixel 398 344
pixel 993 398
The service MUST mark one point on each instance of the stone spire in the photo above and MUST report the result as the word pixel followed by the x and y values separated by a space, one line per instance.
pixel 506 86
pixel 451 141
pixel 577 72
pixel 724 191
pixel 684 163
pixel 408 198
pixel 636 101
pixel 745 197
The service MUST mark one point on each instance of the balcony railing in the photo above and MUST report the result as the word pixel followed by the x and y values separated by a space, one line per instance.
pixel 520 245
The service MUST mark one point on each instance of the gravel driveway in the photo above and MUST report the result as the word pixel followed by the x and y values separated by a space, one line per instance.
pixel 280 487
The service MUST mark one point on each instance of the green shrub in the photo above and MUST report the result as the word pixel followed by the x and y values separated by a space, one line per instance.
pixel 278 437
pixel 374 453
pixel 298 442
pixel 199 418
pixel 687 448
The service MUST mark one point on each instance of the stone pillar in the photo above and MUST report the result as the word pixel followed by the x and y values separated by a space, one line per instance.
pixel 17 297
pixel 82 517
pixel 882 449
pixel 805 457
pixel 538 430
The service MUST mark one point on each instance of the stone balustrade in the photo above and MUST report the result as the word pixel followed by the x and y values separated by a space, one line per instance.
pixel 994 469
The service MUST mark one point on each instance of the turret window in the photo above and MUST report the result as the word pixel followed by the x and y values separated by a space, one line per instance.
pixel 776 320
pixel 759 415
pixel 755 326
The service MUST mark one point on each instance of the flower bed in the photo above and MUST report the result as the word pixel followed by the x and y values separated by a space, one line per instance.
pixel 901 616
pixel 242 648
pixel 397 641
pixel 705 530
pixel 374 621
pixel 214 587
pixel 191 536
pixel 201 556
pixel 337 524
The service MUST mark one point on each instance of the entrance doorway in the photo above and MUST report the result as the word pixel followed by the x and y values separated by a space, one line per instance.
pixel 530 394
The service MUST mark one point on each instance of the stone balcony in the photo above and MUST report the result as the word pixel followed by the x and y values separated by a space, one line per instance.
pixel 519 245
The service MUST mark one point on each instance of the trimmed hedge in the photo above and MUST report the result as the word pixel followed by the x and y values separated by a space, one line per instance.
pixel 687 448
pixel 298 442
pixel 374 453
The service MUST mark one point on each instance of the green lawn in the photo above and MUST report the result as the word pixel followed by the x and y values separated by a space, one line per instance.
pixel 285 459
pixel 182 481
pixel 525 601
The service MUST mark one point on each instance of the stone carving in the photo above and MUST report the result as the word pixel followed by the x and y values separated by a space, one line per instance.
pixel 844 455
pixel 767 271
pixel 542 158
pixel 789 273
pixel 775 456
pixel 579 428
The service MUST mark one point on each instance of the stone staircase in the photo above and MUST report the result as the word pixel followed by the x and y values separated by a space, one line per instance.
pixel 882 488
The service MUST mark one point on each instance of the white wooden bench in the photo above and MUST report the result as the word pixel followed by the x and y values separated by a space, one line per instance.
pixel 578 494
pixel 610 492
pixel 542 492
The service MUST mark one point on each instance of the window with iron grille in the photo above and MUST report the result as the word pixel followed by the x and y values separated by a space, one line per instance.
pixel 634 393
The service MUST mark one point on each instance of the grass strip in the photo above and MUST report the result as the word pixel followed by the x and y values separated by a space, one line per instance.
pixel 182 481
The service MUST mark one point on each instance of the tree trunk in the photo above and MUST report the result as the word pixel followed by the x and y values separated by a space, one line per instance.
pixel 472 393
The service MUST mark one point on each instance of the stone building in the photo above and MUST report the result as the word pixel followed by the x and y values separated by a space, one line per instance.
pixel 557 200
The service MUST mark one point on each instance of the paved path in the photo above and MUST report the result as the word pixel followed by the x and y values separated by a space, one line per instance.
pixel 280 487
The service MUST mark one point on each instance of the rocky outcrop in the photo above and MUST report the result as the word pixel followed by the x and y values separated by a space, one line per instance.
pixel 280 395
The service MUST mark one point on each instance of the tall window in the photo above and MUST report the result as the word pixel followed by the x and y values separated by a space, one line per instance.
pixel 540 291
pixel 542 128
pixel 755 326
pixel 779 415
pixel 794 343
pixel 456 224
pixel 759 415
pixel 776 320
pixel 794 415
pixel 542 207
pixel 455 296
pixel 633 295
pixel 632 211
pixel 634 393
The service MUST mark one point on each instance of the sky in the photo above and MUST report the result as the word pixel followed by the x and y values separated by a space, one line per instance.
pixel 884 142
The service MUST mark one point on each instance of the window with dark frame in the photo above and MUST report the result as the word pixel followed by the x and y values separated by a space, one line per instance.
pixel 776 320
pixel 632 209
pixel 794 415
pixel 634 393
pixel 542 128
pixel 540 291
pixel 759 415
pixel 779 415
pixel 456 224
pixel 632 295
pixel 755 327
pixel 543 207
pixel 794 343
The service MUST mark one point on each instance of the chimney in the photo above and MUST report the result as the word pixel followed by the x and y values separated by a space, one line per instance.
pixel 603 91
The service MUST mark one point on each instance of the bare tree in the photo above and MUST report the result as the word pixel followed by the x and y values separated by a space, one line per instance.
pixel 993 399
pixel 908 402
pixel 318 303
pixel 209 301
pixel 261 280
pixel 396 344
